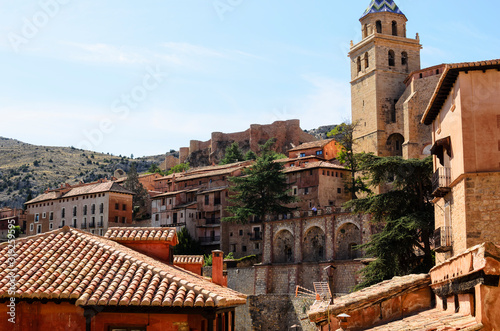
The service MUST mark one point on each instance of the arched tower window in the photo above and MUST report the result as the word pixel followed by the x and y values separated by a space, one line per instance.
pixel 404 60
pixel 365 31
pixel 395 144
pixel 367 60
pixel 359 64
pixel 379 26
pixel 394 28
pixel 392 61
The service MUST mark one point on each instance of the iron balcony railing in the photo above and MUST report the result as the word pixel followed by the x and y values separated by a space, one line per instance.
pixel 443 239
pixel 256 236
pixel 84 225
pixel 205 240
pixel 92 225
pixel 441 181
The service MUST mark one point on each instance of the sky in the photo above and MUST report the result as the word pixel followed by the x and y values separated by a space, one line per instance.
pixel 144 77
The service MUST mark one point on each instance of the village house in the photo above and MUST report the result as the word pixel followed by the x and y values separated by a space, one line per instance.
pixel 14 216
pixel 92 207
pixel 69 279
pixel 465 121
pixel 326 149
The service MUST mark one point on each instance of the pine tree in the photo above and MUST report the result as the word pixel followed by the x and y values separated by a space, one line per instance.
pixel 405 213
pixel 187 245
pixel 262 189
pixel 233 154
pixel 250 155
pixel 141 199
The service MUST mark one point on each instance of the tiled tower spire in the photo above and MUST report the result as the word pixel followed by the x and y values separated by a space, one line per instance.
pixel 379 6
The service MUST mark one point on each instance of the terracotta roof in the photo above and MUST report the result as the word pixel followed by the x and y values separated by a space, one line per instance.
pixel 94 271
pixel 312 144
pixel 227 171
pixel 43 197
pixel 446 83
pixel 188 259
pixel 143 234
pixel 367 296
pixel 82 190
pixel 312 165
pixel 433 319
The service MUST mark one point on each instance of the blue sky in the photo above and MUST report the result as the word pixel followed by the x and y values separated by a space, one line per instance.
pixel 143 77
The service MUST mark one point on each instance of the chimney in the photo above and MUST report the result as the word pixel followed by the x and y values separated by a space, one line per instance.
pixel 218 276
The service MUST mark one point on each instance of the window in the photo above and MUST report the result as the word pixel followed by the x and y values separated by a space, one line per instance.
pixel 241 232
pixel 243 248
pixel 100 232
pixel 365 31
pixel 339 190
pixel 392 60
pixel 39 228
pixel 328 173
pixel 51 216
pixel 124 220
pixel 44 215
pixel 257 246
pixel 358 62
pixel 32 227
pixel 74 211
pixel 306 191
pixel 367 60
pixel 207 200
pixel 302 154
pixel 74 223
pixel 404 58
pixel 310 172
pixel 394 28
pixel 117 206
pixel 37 218
pixel 101 208
pixel 85 210
pixel 157 217
pixel 92 209
pixel 117 219
pixel 319 152
pixel 169 201
pixel 63 212
pixel 378 25
pixel 63 223
pixel 163 201
pixel 51 226
pixel 124 207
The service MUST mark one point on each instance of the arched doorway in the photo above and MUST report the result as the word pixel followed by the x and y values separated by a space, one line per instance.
pixel 347 238
pixel 314 245
pixel 283 247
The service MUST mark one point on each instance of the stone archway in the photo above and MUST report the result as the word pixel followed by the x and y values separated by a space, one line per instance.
pixel 347 237
pixel 283 247
pixel 313 246
pixel 395 144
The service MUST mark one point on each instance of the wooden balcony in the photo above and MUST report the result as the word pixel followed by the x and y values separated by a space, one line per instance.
pixel 443 239
pixel 441 181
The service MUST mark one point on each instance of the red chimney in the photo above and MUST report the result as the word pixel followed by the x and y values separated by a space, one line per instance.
pixel 218 268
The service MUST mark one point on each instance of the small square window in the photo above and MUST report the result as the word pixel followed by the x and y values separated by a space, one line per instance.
pixel 243 248
pixel 339 190
pixel 241 232
pixel 51 226
pixel 32 227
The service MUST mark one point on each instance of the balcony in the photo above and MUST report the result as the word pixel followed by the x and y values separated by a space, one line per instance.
pixel 92 225
pixel 441 181
pixel 443 239
pixel 100 224
pixel 213 240
pixel 173 225
pixel 84 226
pixel 256 236
pixel 210 223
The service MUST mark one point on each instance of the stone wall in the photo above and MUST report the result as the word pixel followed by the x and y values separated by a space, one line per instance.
pixel 287 134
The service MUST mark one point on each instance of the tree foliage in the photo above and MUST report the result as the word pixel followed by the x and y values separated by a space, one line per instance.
pixel 187 245
pixel 141 199
pixel 343 135
pixel 405 213
pixel 233 154
pixel 262 189
pixel 250 155
pixel 154 169
pixel 179 168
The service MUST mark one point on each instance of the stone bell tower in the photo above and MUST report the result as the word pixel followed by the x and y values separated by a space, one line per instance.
pixel 380 63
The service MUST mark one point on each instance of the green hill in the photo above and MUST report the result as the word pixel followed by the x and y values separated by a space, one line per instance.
pixel 26 168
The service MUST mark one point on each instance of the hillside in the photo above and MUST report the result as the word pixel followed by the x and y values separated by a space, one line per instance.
pixel 28 168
